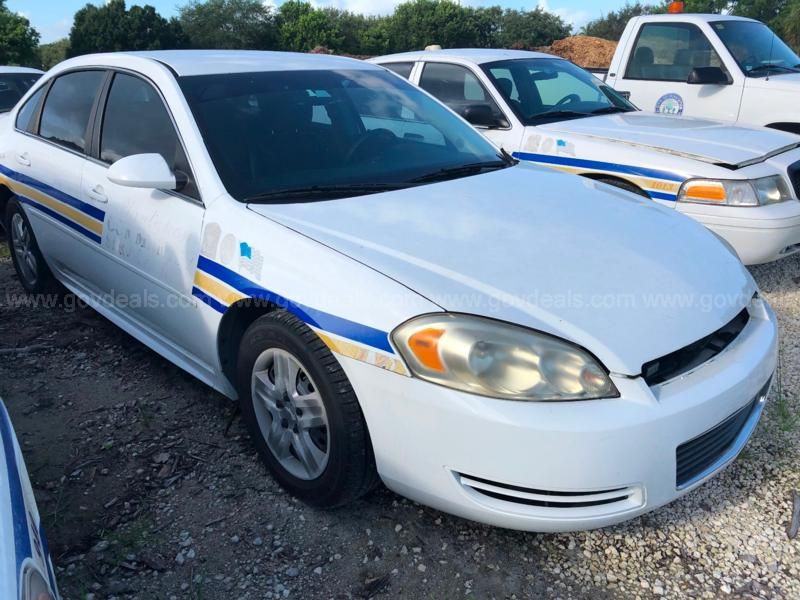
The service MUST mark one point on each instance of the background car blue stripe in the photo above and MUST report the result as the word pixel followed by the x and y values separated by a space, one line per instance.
pixel 217 306
pixel 600 166
pixel 61 218
pixel 662 195
pixel 80 205
pixel 316 318
pixel 22 542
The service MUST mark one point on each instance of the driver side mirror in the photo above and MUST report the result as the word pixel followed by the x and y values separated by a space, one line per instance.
pixel 145 171
pixel 708 76
pixel 481 115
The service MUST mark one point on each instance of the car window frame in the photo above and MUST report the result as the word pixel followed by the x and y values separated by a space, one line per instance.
pixel 488 88
pixel 632 53
pixel 97 129
pixel 34 120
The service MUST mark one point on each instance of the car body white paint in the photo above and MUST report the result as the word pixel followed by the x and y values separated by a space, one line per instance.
pixel 623 277
pixel 656 153
pixel 749 101
pixel 23 545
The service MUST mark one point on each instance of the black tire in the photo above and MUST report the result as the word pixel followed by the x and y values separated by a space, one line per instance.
pixel 35 280
pixel 623 185
pixel 350 470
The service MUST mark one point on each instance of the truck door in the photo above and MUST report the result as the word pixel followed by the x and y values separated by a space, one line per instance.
pixel 657 70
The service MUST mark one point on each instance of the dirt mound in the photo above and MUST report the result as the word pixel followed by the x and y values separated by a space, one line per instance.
pixel 585 51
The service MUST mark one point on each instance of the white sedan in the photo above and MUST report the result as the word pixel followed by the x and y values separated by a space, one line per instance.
pixel 26 571
pixel 742 183
pixel 387 295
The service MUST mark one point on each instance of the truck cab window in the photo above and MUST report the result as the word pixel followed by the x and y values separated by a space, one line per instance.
pixel 669 52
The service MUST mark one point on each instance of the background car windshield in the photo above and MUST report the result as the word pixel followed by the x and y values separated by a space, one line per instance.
pixel 13 87
pixel 756 49
pixel 541 89
pixel 284 130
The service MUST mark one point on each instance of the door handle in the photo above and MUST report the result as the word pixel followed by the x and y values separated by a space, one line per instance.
pixel 98 194
pixel 24 159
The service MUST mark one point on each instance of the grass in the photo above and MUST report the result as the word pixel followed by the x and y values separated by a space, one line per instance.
pixel 4 253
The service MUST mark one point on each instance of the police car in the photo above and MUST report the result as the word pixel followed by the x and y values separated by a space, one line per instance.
pixel 26 571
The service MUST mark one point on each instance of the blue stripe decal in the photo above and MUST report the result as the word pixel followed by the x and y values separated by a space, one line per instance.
pixel 61 218
pixel 51 577
pixel 316 318
pixel 600 166
pixel 662 196
pixel 22 542
pixel 75 203
pixel 217 306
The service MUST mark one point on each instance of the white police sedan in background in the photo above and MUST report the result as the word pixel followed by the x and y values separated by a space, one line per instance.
pixel 741 182
pixel 26 571
pixel 385 293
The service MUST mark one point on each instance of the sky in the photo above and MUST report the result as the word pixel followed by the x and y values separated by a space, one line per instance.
pixel 53 18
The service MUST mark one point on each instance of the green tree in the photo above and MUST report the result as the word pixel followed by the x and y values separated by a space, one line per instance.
pixel 19 41
pixel 231 24
pixel 531 28
pixel 112 28
pixel 52 54
pixel 611 25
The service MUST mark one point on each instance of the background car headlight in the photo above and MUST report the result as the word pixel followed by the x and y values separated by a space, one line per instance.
pixel 756 192
pixel 500 360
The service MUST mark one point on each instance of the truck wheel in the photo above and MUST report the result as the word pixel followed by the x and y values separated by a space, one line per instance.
pixel 623 185
pixel 302 413
pixel 31 268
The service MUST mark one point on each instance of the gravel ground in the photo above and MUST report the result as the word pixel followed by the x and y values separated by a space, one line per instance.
pixel 149 488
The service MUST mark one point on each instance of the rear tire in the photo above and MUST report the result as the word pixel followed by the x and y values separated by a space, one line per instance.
pixel 32 270
pixel 302 413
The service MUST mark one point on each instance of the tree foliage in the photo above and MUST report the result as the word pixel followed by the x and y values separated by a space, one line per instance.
pixel 18 40
pixel 229 24
pixel 52 54
pixel 112 28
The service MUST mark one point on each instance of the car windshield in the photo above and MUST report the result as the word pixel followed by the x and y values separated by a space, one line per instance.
pixel 13 87
pixel 542 90
pixel 757 50
pixel 312 135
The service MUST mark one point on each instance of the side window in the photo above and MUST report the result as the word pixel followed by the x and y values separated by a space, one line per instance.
pixel 28 110
pixel 669 52
pixel 402 69
pixel 137 122
pixel 456 86
pixel 66 111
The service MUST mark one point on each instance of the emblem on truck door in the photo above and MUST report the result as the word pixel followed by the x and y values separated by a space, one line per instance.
pixel 670 104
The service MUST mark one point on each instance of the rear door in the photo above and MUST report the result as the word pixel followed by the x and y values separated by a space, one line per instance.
pixel 659 63
pixel 46 168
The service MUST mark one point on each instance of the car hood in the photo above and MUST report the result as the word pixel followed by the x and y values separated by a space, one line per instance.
pixel 776 81
pixel 621 276
pixel 700 139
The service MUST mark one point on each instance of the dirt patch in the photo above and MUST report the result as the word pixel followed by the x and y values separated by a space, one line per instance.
pixel 585 51
pixel 149 488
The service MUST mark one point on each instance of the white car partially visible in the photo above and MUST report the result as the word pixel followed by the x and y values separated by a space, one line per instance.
pixel 14 84
pixel 26 571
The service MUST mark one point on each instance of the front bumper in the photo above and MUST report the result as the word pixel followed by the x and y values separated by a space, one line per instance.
pixel 760 234
pixel 610 459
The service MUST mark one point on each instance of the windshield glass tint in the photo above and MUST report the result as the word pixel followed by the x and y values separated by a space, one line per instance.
pixel 291 130
pixel 542 89
pixel 757 50
pixel 13 87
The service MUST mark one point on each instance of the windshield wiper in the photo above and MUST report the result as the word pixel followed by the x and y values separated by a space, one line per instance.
pixel 347 190
pixel 462 171
pixel 769 68
pixel 555 114
pixel 610 110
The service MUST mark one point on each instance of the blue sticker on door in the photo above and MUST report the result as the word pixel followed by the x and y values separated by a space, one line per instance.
pixel 670 104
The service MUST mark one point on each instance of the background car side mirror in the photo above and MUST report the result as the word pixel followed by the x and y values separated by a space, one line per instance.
pixel 481 115
pixel 147 171
pixel 709 76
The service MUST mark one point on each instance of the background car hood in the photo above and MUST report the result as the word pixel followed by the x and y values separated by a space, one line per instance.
pixel 623 277
pixel 708 141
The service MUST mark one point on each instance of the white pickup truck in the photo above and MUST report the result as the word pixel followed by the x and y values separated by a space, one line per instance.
pixel 712 66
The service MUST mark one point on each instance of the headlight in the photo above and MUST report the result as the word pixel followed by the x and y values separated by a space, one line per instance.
pixel 499 360
pixel 756 192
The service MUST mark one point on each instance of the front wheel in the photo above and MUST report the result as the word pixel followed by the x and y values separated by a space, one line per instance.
pixel 302 413
pixel 31 268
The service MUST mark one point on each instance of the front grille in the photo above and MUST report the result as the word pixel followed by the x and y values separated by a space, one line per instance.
pixel 794 176
pixel 692 356
pixel 547 498
pixel 694 457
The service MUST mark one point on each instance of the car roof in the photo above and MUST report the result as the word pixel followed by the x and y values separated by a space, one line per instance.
pixel 693 18
pixel 213 62
pixel 474 55
pixel 7 70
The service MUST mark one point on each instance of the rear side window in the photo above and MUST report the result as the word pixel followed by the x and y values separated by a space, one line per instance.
pixel 65 116
pixel 137 122
pixel 669 52
pixel 26 113
pixel 402 69
pixel 456 86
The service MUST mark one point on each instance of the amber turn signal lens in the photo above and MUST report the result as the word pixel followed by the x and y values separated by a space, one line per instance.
pixel 425 346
